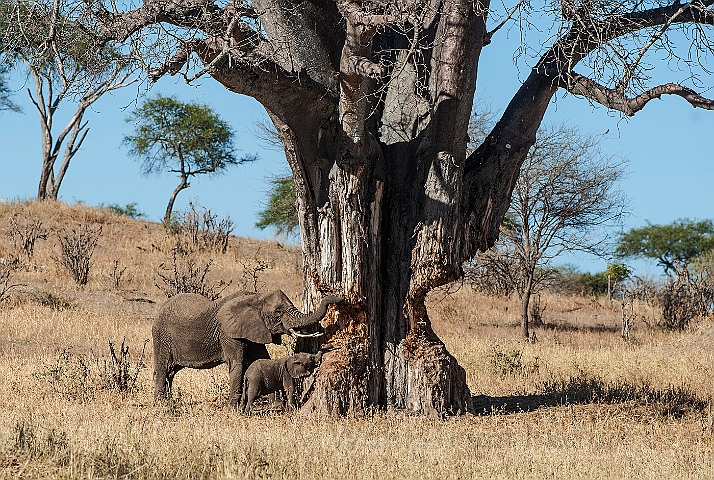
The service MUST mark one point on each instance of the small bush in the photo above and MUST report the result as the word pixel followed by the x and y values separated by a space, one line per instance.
pixel 117 371
pixel 24 233
pixel 115 274
pixel 7 269
pixel 202 229
pixel 187 275
pixel 592 284
pixel 129 210
pixel 511 363
pixel 686 296
pixel 77 247
pixel 251 269
pixel 49 299
pixel 75 377
pixel 69 375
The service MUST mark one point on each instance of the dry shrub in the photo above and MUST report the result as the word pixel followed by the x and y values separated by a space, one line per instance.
pixel 24 231
pixel 77 247
pixel 69 375
pixel 685 296
pixel 118 372
pixel 252 268
pixel 115 274
pixel 187 274
pixel 511 362
pixel 49 299
pixel 75 377
pixel 7 269
pixel 203 230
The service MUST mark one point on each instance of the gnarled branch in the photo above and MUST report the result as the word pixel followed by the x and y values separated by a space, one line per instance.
pixel 353 12
pixel 616 99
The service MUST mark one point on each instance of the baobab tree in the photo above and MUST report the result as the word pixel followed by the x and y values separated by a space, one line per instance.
pixel 371 100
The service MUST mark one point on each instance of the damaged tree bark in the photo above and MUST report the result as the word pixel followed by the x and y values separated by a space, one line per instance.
pixel 372 103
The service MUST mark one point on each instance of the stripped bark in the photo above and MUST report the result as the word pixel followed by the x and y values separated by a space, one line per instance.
pixel 372 102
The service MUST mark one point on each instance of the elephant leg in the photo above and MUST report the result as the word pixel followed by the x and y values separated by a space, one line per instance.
pixel 234 351
pixel 161 367
pixel 252 392
pixel 243 401
pixel 160 384
pixel 235 375
pixel 170 379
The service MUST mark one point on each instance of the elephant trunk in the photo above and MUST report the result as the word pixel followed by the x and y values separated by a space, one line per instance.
pixel 294 318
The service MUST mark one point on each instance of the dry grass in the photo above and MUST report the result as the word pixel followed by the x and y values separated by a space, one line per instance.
pixel 579 403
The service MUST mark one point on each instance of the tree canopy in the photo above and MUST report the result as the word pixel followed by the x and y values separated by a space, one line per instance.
pixel 6 102
pixel 185 138
pixel 280 212
pixel 680 241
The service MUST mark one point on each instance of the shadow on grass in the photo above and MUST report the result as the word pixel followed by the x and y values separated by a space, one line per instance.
pixel 567 327
pixel 555 326
pixel 672 401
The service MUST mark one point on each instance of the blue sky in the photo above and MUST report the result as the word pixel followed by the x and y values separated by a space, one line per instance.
pixel 668 145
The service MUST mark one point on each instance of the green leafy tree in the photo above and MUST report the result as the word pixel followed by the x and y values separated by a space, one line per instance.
pixel 280 213
pixel 130 210
pixel 188 139
pixel 679 242
pixel 615 273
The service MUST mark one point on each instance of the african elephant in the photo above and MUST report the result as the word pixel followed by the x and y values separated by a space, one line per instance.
pixel 266 376
pixel 191 331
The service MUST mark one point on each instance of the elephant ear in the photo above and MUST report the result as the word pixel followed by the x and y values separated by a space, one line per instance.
pixel 240 318
pixel 296 367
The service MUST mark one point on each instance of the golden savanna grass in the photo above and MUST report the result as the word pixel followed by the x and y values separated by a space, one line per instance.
pixel 578 403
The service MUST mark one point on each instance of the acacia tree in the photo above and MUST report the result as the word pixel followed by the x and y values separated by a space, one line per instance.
pixel 65 63
pixel 680 242
pixel 565 194
pixel 185 138
pixel 371 100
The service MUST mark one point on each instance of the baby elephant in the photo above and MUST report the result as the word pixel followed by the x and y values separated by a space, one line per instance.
pixel 269 376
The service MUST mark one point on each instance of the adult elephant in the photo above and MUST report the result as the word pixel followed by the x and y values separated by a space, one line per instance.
pixel 191 331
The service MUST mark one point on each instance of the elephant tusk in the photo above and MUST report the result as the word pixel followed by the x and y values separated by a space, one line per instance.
pixel 304 335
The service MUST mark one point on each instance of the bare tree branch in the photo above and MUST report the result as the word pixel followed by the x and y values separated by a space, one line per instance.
pixel 616 100
pixel 354 13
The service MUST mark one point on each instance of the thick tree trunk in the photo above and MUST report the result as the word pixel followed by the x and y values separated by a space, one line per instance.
pixel 363 240
pixel 389 206
pixel 384 352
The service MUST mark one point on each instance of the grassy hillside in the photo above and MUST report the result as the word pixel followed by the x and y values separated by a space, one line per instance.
pixel 578 403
